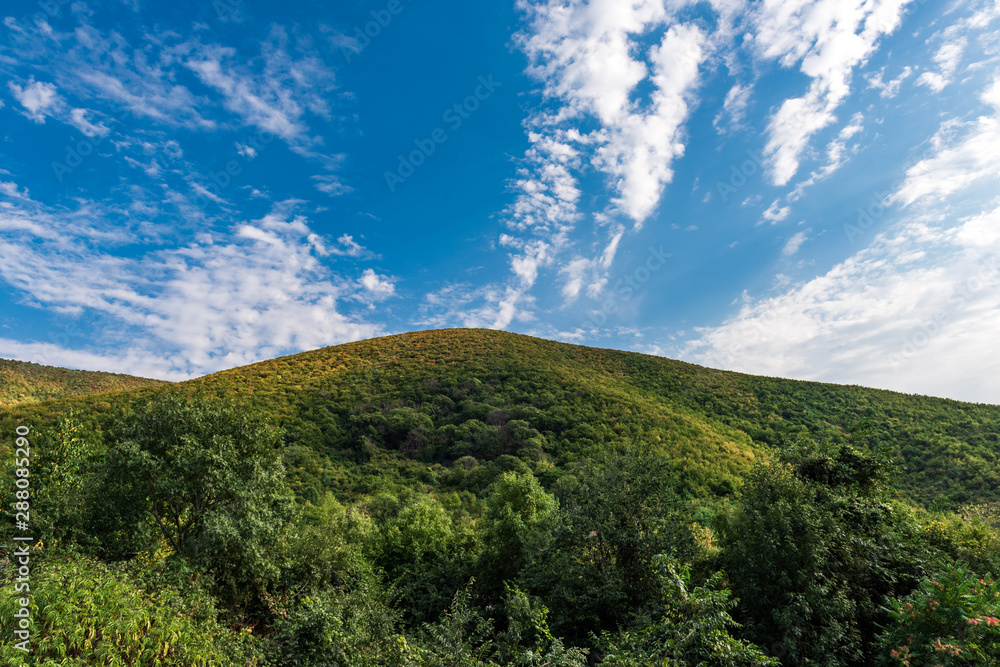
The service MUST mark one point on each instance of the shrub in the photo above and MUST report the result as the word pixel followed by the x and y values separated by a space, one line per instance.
pixel 953 619
pixel 86 615
pixel 692 627
pixel 206 477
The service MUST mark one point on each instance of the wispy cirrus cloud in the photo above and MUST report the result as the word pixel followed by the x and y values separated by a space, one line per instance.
pixel 947 59
pixel 591 58
pixel 734 108
pixel 828 40
pixel 958 164
pixel 916 311
pixel 273 92
pixel 257 290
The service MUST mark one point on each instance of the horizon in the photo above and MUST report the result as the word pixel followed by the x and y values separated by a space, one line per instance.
pixel 800 191
pixel 419 331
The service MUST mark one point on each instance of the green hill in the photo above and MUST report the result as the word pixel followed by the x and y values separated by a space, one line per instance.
pixel 402 410
pixel 479 498
pixel 24 382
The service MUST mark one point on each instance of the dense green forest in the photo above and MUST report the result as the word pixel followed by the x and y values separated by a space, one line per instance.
pixel 469 497
pixel 23 382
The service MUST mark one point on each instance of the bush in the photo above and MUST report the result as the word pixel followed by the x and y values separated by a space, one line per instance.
pixel 462 637
pixel 815 552
pixel 692 628
pixel 518 525
pixel 84 614
pixel 352 626
pixel 205 477
pixel 618 513
pixel 950 620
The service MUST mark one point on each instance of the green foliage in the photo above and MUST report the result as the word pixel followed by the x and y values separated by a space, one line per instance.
pixel 326 546
pixel 492 393
pixel 971 541
pixel 950 620
pixel 61 460
pixel 463 637
pixel 620 511
pixel 423 461
pixel 203 476
pixel 424 552
pixel 692 628
pixel 351 626
pixel 85 614
pixel 23 382
pixel 814 552
pixel 518 527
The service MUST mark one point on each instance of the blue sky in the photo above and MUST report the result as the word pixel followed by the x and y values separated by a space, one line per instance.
pixel 788 188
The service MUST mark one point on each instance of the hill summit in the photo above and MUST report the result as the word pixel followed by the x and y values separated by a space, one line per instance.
pixel 436 405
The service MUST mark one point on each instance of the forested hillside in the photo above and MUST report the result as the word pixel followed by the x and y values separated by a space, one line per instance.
pixel 23 382
pixel 475 498
pixel 403 404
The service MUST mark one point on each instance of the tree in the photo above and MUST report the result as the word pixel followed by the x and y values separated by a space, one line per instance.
pixel 692 628
pixel 62 457
pixel 815 552
pixel 423 552
pixel 520 518
pixel 619 512
pixel 203 476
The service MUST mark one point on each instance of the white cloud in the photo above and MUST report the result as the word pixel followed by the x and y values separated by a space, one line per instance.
pixel 37 97
pixel 202 191
pixel 954 168
pixel 947 59
pixel 274 92
pixel 991 95
pixel 139 79
pixel 836 156
pixel 249 152
pixel 11 190
pixel 256 292
pixel 889 89
pixel 331 185
pixel 592 58
pixel 346 247
pixel 794 244
pixel 917 311
pixel 78 119
pixel 378 287
pixel 734 108
pixel 548 192
pixel 133 361
pixel 775 213
pixel 589 58
pixel 830 38
pixel 490 306
pixel 575 272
